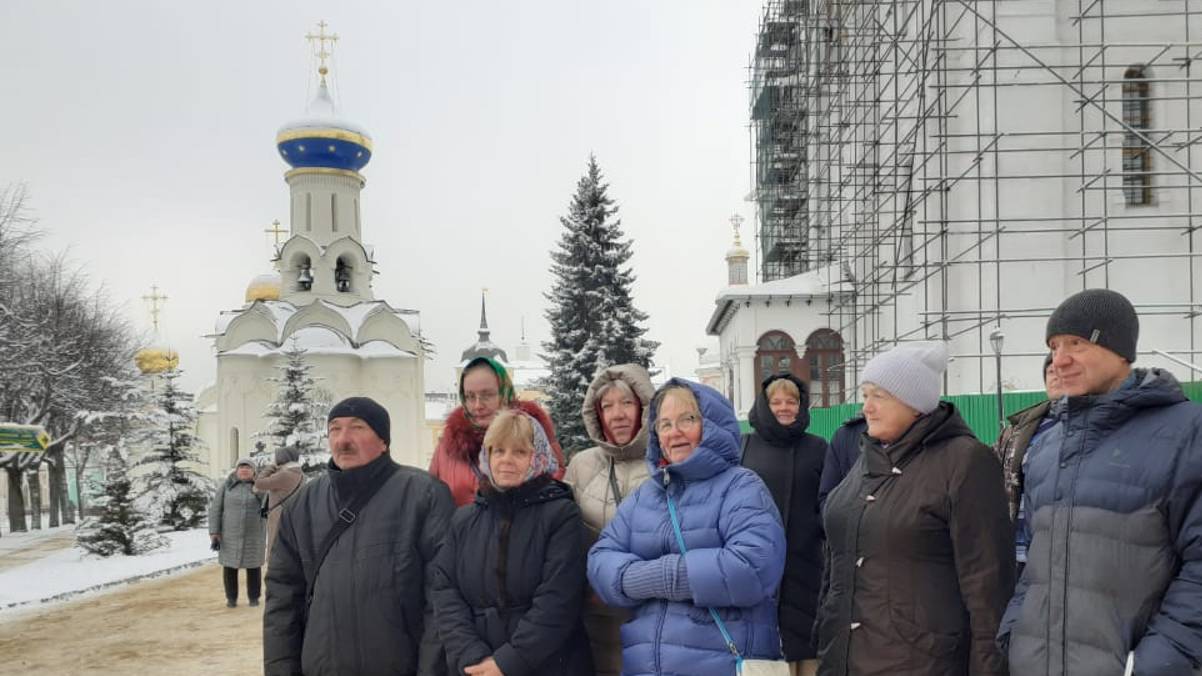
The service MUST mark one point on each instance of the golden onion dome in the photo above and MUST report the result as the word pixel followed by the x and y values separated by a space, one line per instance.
pixel 264 287
pixel 151 360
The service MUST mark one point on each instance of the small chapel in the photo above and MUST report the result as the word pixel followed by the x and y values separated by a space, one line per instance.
pixel 319 299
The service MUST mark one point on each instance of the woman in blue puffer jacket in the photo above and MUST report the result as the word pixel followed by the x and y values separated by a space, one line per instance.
pixel 732 531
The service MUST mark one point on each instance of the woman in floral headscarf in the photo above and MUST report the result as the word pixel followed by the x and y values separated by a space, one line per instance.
pixel 509 582
pixel 484 390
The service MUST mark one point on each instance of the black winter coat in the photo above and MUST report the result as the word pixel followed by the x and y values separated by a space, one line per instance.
pixel 369 613
pixel 921 557
pixel 842 453
pixel 510 583
pixel 790 462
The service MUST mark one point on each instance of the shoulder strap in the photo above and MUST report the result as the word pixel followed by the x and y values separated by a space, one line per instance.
pixel 613 484
pixel 292 492
pixel 730 642
pixel 346 517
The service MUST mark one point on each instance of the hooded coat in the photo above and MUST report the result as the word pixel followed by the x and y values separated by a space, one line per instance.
pixel 589 476
pixel 790 463
pixel 234 514
pixel 1113 495
pixel 920 557
pixel 736 554
pixel 281 483
pixel 458 453
pixel 510 582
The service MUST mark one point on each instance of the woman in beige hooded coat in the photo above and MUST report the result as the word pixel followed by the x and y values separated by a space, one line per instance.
pixel 615 416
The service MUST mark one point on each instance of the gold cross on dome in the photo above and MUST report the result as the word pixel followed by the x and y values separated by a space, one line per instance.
pixel 736 221
pixel 275 230
pixel 155 299
pixel 319 44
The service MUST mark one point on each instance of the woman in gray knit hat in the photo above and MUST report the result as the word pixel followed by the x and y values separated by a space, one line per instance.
pixel 920 555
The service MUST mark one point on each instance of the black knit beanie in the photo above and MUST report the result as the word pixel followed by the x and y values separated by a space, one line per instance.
pixel 1102 317
pixel 366 410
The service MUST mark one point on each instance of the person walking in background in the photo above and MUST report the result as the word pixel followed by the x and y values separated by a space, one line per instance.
pixel 485 389
pixel 1025 427
pixel 601 477
pixel 509 584
pixel 733 549
pixel 236 528
pixel 1112 493
pixel 347 584
pixel 920 548
pixel 789 461
pixel 280 482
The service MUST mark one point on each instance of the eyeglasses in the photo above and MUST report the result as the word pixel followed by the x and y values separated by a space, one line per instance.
pixel 684 423
pixel 483 397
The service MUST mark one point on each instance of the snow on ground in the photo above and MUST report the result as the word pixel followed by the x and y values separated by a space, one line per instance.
pixel 70 571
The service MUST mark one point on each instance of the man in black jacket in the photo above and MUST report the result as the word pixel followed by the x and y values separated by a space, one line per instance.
pixel 363 608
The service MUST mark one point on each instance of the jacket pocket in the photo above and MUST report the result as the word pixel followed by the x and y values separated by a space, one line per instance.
pixel 928 640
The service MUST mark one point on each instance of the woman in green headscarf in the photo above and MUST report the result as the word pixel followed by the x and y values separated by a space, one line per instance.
pixel 484 390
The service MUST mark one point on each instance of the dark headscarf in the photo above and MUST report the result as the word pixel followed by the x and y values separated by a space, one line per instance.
pixel 766 424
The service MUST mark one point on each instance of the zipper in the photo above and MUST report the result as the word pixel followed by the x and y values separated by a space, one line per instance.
pixel 1070 497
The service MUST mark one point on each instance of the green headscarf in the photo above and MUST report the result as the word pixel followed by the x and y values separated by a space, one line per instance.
pixel 504 384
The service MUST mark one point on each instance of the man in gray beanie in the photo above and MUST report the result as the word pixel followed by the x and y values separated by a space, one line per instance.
pixel 346 583
pixel 1112 493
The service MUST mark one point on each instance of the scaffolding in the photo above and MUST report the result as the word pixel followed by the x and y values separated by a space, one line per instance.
pixel 966 164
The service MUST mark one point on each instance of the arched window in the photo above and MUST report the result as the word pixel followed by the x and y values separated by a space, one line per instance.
pixel 342 275
pixel 1137 153
pixel 233 446
pixel 776 353
pixel 824 359
pixel 304 273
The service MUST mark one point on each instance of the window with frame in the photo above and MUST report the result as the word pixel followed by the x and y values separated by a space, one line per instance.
pixel 1137 155
pixel 824 360
pixel 776 353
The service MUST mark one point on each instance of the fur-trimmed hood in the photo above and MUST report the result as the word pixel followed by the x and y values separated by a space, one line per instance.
pixel 640 383
pixel 462 439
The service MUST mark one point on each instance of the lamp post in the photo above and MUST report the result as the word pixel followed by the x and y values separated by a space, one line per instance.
pixel 996 339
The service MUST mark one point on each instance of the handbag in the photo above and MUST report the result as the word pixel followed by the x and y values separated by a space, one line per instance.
pixel 743 667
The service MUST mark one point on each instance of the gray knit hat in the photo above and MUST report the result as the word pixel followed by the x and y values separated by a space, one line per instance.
pixel 911 372
pixel 1102 317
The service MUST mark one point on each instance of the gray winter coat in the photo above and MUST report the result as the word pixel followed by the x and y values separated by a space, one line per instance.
pixel 369 613
pixel 1113 492
pixel 234 515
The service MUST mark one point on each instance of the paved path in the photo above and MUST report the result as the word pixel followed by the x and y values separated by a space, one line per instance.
pixel 18 549
pixel 174 625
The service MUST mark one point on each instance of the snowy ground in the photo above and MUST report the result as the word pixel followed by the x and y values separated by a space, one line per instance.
pixel 65 572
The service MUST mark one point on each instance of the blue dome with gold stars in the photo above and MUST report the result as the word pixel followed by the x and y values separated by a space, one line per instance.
pixel 322 139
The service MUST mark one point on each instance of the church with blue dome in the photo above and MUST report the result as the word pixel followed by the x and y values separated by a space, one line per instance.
pixel 319 299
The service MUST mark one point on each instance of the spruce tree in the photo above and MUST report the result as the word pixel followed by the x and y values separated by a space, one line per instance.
pixel 594 323
pixel 297 414
pixel 121 527
pixel 169 487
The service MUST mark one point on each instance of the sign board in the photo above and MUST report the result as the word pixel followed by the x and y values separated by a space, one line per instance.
pixel 23 438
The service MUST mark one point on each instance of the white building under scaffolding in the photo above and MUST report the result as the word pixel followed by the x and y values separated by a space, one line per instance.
pixel 955 167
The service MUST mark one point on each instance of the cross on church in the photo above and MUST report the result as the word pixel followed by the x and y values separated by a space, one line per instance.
pixel 276 230
pixel 319 43
pixel 736 221
pixel 155 298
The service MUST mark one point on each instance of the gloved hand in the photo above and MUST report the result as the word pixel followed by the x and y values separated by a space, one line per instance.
pixel 215 545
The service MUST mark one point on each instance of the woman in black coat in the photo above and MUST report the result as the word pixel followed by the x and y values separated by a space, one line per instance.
pixel 509 582
pixel 921 555
pixel 790 462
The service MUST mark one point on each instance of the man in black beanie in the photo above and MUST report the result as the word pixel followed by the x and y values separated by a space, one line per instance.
pixel 346 589
pixel 1113 496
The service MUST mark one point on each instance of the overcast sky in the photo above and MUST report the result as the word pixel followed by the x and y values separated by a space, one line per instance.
pixel 145 131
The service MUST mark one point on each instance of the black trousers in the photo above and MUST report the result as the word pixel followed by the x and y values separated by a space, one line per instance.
pixel 254 582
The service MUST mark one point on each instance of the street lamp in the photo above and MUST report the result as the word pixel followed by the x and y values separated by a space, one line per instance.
pixel 996 339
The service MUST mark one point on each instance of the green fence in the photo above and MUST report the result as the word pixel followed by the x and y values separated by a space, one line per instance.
pixel 979 411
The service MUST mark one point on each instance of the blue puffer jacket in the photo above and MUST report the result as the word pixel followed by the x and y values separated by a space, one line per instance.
pixel 736 554
pixel 1113 492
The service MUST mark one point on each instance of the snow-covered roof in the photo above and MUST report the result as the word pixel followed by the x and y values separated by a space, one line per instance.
pixel 819 282
pixel 318 340
pixel 279 312
pixel 321 114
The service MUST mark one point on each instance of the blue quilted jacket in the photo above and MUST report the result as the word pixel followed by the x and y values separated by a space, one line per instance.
pixel 736 554
pixel 1113 494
